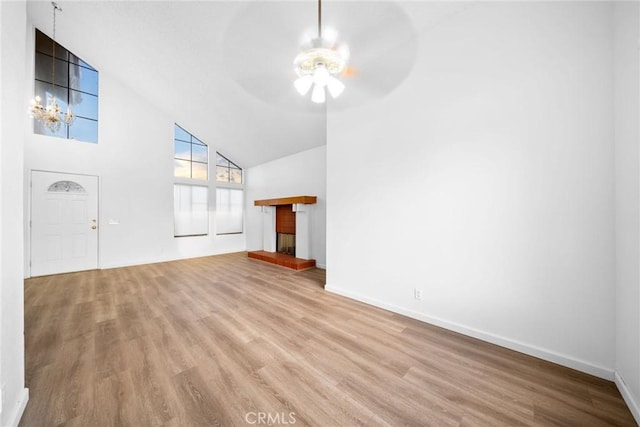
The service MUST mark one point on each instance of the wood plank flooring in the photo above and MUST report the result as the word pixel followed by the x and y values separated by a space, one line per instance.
pixel 228 340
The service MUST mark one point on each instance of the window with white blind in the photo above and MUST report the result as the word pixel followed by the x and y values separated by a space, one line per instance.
pixel 190 207
pixel 229 211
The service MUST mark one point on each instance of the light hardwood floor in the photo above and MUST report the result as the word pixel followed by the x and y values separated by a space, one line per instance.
pixel 220 340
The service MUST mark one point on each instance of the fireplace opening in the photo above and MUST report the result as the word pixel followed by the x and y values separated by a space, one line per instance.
pixel 285 230
pixel 286 243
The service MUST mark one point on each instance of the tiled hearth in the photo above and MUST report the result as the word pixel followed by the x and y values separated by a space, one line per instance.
pixel 284 260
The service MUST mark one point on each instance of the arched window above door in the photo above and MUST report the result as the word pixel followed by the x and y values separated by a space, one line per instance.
pixel 66 187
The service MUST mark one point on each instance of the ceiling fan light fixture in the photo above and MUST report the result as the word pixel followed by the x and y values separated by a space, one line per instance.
pixel 322 63
pixel 318 95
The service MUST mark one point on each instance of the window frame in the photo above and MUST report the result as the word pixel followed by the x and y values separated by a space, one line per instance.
pixel 231 186
pixel 235 186
pixel 191 143
pixel 70 60
pixel 229 168
pixel 192 184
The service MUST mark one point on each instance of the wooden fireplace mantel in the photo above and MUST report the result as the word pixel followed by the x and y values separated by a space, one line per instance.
pixel 306 200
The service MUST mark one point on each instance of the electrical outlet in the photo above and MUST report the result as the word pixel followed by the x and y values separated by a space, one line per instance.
pixel 417 293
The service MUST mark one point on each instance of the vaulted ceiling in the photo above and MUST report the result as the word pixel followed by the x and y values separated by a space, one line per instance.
pixel 224 69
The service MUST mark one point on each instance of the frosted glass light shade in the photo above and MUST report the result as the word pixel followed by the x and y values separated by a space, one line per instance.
pixel 303 84
pixel 318 95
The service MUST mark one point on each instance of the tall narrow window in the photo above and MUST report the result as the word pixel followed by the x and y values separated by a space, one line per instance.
pixel 76 86
pixel 190 194
pixel 229 196
pixel 191 156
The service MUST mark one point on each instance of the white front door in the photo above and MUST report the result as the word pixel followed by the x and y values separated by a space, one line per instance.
pixel 64 223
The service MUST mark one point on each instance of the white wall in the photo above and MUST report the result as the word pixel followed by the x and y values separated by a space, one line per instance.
pixel 13 107
pixel 486 180
pixel 627 167
pixel 300 174
pixel 134 160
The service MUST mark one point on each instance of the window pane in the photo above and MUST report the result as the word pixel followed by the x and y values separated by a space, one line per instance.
pixel 221 161
pixel 235 176
pixel 182 168
pixel 190 207
pixel 181 134
pixel 84 130
pixel 84 105
pixel 182 150
pixel 43 67
pixel 200 153
pixel 229 210
pixel 83 79
pixel 43 90
pixel 61 52
pixel 43 70
pixel 199 171
pixel 75 60
pixel 62 73
pixel 44 44
pixel 40 129
pixel 222 174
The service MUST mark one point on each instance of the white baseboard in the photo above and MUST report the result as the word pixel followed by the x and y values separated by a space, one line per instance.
pixel 13 419
pixel 532 350
pixel 634 406
pixel 321 266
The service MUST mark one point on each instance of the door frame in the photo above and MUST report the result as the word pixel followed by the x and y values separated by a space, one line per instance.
pixel 28 222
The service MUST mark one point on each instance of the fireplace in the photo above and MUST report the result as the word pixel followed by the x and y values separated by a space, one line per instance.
pixel 286 231
pixel 286 243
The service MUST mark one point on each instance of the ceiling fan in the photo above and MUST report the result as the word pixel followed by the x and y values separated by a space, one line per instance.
pixel 319 64
pixel 262 37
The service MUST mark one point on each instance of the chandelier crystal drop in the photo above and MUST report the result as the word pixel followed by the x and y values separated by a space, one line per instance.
pixel 51 114
pixel 318 66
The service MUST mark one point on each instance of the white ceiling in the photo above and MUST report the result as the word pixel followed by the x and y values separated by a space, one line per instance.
pixel 223 70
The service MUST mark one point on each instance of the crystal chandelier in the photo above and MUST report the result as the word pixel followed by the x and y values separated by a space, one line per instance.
pixel 51 115
pixel 318 66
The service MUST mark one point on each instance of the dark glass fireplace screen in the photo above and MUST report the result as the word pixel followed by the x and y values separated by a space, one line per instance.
pixel 286 243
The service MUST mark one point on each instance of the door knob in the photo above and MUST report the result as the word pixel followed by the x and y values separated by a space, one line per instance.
pixel 94 224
